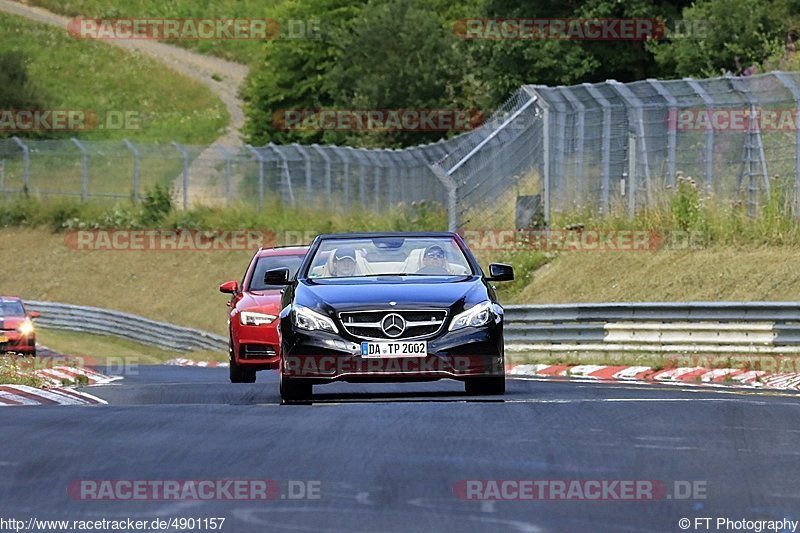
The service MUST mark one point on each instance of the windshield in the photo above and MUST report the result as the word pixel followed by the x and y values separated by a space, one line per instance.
pixel 404 256
pixel 11 309
pixel 292 262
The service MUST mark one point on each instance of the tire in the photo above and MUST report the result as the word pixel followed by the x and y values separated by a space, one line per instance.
pixel 492 386
pixel 294 390
pixel 237 373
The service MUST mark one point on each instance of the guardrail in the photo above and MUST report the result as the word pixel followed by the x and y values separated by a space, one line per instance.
pixel 710 326
pixel 128 326
pixel 684 326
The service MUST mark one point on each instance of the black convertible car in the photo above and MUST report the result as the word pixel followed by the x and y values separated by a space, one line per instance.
pixel 390 307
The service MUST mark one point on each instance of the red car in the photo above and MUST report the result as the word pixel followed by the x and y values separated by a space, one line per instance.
pixel 254 343
pixel 17 333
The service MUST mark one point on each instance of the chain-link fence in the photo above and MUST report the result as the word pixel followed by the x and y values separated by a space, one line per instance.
pixel 600 147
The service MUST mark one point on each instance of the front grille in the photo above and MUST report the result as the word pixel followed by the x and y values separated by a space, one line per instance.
pixel 419 323
pixel 257 351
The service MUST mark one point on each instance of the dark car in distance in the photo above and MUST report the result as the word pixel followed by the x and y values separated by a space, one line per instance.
pixel 375 307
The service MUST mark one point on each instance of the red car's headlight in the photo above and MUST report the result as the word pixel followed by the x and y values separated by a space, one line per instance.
pixel 26 328
pixel 248 318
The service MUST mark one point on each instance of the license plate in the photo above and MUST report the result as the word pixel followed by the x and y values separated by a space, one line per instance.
pixel 394 349
pixel 3 339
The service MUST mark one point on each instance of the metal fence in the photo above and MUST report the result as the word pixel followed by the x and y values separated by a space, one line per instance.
pixel 735 327
pixel 124 325
pixel 598 147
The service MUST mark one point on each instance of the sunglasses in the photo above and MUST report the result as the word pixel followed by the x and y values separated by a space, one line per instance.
pixel 435 255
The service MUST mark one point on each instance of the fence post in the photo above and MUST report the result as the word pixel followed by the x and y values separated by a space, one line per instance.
pixel 581 137
pixel 606 155
pixel 709 171
pixel 284 171
pixel 359 156
pixel 753 135
pixel 84 170
pixel 185 180
pixel 790 84
pixel 632 180
pixel 135 154
pixel 227 157
pixel 452 195
pixel 307 159
pixel 26 164
pixel 260 160
pixel 672 127
pixel 325 157
pixel 636 127
pixel 546 160
pixel 345 155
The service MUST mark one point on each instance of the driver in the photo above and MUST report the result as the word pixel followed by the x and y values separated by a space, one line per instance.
pixel 344 263
pixel 434 261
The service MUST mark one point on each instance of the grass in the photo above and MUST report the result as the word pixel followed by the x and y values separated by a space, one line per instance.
pixel 242 50
pixel 9 375
pixel 178 287
pixel 66 73
pixel 117 353
pixel 716 273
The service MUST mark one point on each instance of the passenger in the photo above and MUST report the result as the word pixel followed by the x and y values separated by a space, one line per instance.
pixel 434 262
pixel 344 263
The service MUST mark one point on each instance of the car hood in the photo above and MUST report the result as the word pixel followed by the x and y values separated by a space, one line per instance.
pixel 11 322
pixel 266 301
pixel 408 292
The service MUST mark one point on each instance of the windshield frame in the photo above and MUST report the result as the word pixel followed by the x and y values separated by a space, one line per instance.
pixel 320 240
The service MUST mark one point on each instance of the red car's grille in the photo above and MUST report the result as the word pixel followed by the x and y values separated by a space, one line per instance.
pixel 257 351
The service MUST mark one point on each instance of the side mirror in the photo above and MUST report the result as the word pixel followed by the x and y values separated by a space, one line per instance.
pixel 229 287
pixel 34 314
pixel 500 272
pixel 277 276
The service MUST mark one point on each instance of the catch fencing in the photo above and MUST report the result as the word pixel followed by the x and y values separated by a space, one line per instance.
pixel 602 148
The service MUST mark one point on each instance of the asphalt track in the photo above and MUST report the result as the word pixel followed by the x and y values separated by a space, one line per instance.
pixel 386 458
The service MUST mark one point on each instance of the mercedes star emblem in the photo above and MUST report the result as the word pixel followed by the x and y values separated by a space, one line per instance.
pixel 393 325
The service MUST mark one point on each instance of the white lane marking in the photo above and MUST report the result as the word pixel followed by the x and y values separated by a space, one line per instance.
pixel 50 395
pixel 671 448
pixel 676 373
pixel 584 370
pixel 631 372
pixel 15 398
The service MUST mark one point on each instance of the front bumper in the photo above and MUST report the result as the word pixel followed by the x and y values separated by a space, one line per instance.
pixel 257 346
pixel 16 342
pixel 325 357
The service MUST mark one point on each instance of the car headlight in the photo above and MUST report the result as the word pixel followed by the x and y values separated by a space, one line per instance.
pixel 475 316
pixel 26 328
pixel 305 318
pixel 248 318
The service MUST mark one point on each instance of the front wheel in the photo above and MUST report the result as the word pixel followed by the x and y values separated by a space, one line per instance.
pixel 295 390
pixel 237 373
pixel 491 386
